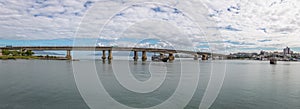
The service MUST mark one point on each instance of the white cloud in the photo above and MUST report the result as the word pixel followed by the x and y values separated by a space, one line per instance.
pixel 273 20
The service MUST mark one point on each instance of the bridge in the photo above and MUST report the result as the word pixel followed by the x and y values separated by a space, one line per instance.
pixel 110 49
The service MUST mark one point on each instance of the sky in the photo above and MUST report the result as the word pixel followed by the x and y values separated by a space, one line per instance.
pixel 225 25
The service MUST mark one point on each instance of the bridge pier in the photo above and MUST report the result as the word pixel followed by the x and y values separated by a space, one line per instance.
pixel 68 49
pixel 135 57
pixel 144 56
pixel 69 57
pixel 171 57
pixel 204 57
pixel 0 52
pixel 196 56
pixel 161 55
pixel 110 57
pixel 103 55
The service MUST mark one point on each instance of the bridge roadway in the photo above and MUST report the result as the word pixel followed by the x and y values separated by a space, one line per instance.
pixel 104 48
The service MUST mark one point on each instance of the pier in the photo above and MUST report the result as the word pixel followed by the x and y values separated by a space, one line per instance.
pixel 105 49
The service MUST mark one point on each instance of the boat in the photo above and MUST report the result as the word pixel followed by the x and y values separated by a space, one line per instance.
pixel 273 61
pixel 165 59
pixel 159 58
pixel 155 58
pixel 294 59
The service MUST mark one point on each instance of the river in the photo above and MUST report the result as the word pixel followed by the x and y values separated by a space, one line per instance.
pixel 50 84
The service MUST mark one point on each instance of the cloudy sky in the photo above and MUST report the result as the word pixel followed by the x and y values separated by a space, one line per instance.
pixel 237 25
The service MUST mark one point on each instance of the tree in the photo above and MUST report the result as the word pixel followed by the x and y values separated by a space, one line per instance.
pixel 5 52
pixel 15 53
pixel 29 53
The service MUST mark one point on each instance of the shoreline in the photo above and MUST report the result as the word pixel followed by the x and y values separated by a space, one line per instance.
pixel 260 60
pixel 64 58
pixel 32 58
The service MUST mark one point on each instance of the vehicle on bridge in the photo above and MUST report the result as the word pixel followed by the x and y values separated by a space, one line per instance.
pixel 8 46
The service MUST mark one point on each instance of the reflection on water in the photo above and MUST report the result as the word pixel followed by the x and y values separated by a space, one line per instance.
pixel 42 84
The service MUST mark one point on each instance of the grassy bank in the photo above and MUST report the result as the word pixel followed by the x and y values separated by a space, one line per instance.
pixel 26 54
pixel 19 57
pixel 32 57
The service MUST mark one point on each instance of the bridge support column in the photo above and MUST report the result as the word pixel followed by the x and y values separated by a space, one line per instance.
pixel 171 57
pixel 204 57
pixel 0 52
pixel 144 56
pixel 69 57
pixel 196 56
pixel 135 57
pixel 161 55
pixel 110 57
pixel 103 55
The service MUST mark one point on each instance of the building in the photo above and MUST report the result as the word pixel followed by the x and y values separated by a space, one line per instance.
pixel 287 51
pixel 264 53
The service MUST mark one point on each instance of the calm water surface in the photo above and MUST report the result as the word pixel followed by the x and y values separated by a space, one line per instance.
pixel 45 84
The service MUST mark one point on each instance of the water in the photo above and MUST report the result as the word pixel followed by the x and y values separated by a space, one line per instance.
pixel 259 85
pixel 48 84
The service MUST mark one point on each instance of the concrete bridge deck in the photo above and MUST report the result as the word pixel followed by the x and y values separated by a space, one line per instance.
pixel 103 48
pixel 97 48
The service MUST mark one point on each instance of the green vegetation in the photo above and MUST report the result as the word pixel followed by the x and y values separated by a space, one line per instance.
pixel 50 57
pixel 18 57
pixel 17 53
pixel 14 54
pixel 24 54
